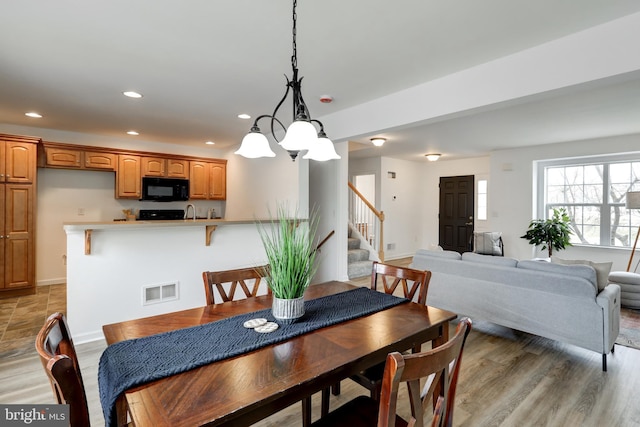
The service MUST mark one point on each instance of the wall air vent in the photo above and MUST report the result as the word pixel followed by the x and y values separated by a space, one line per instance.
pixel 154 294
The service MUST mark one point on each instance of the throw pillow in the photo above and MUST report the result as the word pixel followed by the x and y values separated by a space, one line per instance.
pixel 602 269
pixel 487 243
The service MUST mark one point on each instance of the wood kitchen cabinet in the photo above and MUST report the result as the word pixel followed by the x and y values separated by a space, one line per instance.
pixel 17 229
pixel 100 160
pixel 170 168
pixel 17 161
pixel 17 238
pixel 128 181
pixel 65 157
pixel 208 180
pixel 207 176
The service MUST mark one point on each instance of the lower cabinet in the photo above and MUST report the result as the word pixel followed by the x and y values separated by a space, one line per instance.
pixel 17 269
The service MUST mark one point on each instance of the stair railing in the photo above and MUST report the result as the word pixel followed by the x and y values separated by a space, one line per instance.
pixel 367 220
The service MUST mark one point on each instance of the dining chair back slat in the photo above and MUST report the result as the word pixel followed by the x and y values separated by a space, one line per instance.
pixel 414 283
pixel 246 279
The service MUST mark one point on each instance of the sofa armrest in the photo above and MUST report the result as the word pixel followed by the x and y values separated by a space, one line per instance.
pixel 609 300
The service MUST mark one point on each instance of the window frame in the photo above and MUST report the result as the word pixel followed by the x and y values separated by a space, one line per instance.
pixel 542 207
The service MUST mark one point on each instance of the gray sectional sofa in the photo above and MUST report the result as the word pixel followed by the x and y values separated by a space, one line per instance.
pixel 560 302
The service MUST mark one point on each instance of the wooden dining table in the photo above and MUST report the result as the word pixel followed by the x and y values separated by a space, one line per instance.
pixel 244 389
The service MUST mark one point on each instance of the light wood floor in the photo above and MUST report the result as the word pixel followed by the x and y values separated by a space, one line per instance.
pixel 508 378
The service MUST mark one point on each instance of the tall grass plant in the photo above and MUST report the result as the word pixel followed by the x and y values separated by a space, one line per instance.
pixel 289 243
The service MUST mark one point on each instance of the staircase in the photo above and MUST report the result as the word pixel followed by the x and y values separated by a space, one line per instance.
pixel 358 259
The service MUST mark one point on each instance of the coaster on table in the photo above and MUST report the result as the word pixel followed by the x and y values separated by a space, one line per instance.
pixel 267 327
pixel 254 323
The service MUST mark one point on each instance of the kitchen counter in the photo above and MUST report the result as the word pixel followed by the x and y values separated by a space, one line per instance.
pixel 120 224
pixel 209 226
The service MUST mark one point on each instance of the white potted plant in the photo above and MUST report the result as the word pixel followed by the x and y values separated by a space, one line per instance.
pixel 289 243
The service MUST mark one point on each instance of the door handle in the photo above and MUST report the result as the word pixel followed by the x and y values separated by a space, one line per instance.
pixel 470 221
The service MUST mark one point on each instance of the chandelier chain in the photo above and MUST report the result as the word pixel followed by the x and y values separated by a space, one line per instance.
pixel 294 57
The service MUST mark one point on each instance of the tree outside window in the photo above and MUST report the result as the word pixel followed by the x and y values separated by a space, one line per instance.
pixel 594 195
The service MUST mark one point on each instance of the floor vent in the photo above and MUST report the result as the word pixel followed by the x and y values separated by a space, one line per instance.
pixel 155 294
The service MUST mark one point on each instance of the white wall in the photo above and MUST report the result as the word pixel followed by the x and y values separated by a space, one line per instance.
pixel 430 192
pixel 512 193
pixel 401 202
pixel 106 286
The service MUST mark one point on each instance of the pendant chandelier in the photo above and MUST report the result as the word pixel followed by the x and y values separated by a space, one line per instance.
pixel 301 135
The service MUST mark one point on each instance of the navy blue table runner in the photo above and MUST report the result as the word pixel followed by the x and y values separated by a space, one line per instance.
pixel 130 363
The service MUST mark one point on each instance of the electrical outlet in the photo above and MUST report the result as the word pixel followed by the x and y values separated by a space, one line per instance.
pixel 80 211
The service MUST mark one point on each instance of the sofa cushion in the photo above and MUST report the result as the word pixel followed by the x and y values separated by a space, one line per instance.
pixel 583 271
pixel 602 269
pixel 484 259
pixel 487 243
pixel 439 254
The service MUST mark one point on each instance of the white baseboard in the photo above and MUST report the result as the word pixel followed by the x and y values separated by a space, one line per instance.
pixel 48 282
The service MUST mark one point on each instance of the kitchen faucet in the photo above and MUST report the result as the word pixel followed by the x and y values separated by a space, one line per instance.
pixel 186 211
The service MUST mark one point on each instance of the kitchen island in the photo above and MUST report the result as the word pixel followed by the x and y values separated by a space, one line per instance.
pixel 123 270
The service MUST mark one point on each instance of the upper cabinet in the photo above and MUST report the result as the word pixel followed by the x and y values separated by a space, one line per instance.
pixel 100 160
pixel 207 177
pixel 128 181
pixel 169 168
pixel 17 161
pixel 66 156
pixel 208 180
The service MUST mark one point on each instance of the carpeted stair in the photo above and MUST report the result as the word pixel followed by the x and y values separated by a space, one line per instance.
pixel 358 259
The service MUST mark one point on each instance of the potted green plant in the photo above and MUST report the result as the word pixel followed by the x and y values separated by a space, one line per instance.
pixel 289 244
pixel 552 233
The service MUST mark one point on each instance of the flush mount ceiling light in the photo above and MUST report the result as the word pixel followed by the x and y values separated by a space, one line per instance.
pixel 378 141
pixel 33 114
pixel 432 157
pixel 301 135
pixel 132 132
pixel 210 143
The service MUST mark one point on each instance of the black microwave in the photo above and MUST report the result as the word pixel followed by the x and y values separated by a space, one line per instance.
pixel 165 189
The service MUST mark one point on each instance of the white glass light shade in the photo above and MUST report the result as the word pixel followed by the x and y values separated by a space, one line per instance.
pixel 254 145
pixel 322 150
pixel 300 135
pixel 633 200
pixel 432 157
pixel 378 142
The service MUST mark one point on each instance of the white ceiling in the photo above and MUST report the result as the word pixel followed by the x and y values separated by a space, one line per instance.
pixel 199 63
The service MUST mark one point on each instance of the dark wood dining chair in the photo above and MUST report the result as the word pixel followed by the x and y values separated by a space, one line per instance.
pixel 442 362
pixel 60 361
pixel 414 285
pixel 216 281
pixel 247 279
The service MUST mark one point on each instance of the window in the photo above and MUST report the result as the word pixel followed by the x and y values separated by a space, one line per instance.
pixel 593 192
pixel 482 200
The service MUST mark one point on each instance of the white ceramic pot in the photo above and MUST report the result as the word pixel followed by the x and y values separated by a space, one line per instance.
pixel 287 311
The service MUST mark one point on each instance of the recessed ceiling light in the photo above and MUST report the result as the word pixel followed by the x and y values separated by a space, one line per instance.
pixel 132 132
pixel 432 157
pixel 378 141
pixel 210 143
pixel 33 114
pixel 132 94
pixel 244 116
